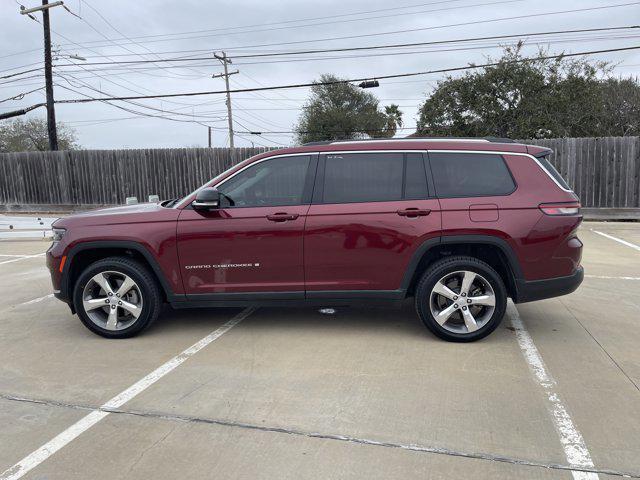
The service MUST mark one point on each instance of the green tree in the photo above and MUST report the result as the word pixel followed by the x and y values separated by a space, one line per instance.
pixel 342 110
pixel 621 107
pixel 533 99
pixel 31 135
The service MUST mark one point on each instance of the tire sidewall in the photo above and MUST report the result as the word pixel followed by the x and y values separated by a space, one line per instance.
pixel 148 307
pixel 433 275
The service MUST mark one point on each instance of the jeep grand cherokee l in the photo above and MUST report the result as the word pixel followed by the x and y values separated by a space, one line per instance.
pixel 460 225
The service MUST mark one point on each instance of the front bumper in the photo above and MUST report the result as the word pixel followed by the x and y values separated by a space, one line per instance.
pixel 530 291
pixel 53 259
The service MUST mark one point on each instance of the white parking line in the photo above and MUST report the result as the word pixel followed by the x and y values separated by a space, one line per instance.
pixel 52 446
pixel 22 258
pixel 619 240
pixel 35 300
pixel 604 277
pixel 575 449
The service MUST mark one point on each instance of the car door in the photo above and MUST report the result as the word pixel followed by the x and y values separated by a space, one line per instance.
pixel 475 191
pixel 252 245
pixel 370 212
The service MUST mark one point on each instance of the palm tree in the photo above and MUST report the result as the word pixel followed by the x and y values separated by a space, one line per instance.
pixel 394 119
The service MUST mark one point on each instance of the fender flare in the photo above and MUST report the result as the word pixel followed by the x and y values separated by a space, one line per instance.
pixel 123 244
pixel 505 248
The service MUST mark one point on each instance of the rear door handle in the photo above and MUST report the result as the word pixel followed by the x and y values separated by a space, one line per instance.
pixel 414 212
pixel 282 217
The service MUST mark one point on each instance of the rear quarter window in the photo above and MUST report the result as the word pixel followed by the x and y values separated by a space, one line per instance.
pixel 470 175
pixel 551 170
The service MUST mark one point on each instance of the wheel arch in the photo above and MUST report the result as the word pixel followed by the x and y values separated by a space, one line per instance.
pixel 493 250
pixel 85 253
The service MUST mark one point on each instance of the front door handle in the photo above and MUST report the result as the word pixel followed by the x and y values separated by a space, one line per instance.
pixel 414 212
pixel 282 217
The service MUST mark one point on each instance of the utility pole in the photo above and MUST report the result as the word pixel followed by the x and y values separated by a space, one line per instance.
pixel 48 75
pixel 225 62
pixel 209 128
pixel 48 78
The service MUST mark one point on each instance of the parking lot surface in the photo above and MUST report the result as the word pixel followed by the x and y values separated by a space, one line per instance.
pixel 554 392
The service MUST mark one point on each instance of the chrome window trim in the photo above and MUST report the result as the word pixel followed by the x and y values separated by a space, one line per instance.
pixel 221 182
pixel 331 152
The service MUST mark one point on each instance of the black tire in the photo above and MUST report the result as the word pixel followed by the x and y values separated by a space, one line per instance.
pixel 147 286
pixel 441 269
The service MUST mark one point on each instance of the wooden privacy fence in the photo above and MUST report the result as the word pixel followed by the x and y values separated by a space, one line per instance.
pixel 107 177
pixel 604 172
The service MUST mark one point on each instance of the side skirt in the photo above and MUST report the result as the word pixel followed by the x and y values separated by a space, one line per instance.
pixel 386 298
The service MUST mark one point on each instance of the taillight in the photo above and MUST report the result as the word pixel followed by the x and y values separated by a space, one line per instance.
pixel 572 208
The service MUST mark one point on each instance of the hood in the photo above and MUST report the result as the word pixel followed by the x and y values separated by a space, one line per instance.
pixel 138 213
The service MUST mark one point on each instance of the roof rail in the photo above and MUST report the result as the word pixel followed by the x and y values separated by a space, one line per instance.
pixel 414 139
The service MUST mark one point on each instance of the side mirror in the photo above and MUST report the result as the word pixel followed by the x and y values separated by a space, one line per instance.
pixel 207 199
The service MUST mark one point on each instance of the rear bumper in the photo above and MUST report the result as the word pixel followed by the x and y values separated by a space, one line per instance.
pixel 530 291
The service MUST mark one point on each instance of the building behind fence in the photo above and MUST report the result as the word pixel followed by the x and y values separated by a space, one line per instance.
pixel 604 172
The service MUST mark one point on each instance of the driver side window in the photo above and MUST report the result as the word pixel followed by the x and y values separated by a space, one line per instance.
pixel 270 183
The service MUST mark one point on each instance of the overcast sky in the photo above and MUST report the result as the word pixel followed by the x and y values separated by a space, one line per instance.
pixel 118 30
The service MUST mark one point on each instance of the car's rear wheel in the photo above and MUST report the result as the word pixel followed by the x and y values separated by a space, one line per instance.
pixel 116 297
pixel 461 299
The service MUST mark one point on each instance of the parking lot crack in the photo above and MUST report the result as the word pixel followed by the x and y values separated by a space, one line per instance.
pixel 173 417
pixel 613 360
pixel 148 449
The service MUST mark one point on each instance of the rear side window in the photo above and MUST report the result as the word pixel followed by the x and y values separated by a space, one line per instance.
pixel 363 177
pixel 470 175
pixel 551 170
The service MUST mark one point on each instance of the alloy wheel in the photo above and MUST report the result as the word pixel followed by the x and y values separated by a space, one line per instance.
pixel 112 300
pixel 462 302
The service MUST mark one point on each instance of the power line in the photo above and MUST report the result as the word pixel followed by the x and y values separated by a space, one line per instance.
pixel 304 19
pixel 438 42
pixel 477 22
pixel 106 79
pixel 118 31
pixel 339 57
pixel 259 25
pixel 378 77
pixel 352 49
pixel 143 114
pixel 175 37
pixel 20 96
pixel 137 104
pixel 436 50
pixel 301 85
pixel 436 27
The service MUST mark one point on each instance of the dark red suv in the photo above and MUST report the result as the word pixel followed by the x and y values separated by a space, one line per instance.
pixel 459 224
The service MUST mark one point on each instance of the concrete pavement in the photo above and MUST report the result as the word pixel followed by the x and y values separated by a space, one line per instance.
pixel 289 393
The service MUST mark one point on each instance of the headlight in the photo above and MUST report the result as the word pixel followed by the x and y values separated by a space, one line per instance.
pixel 58 233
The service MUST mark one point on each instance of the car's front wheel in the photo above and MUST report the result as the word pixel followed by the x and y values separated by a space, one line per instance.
pixel 461 299
pixel 116 297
